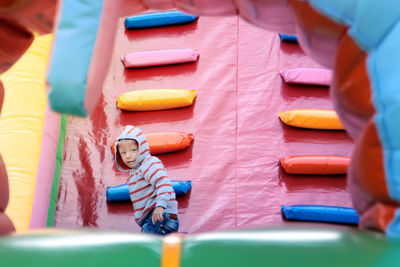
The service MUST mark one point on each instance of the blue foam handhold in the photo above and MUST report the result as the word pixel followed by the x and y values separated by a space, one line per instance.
pixel 180 187
pixel 121 192
pixel 156 19
pixel 118 193
pixel 288 37
pixel 320 213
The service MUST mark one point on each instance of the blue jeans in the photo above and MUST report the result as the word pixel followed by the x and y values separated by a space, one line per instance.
pixel 167 226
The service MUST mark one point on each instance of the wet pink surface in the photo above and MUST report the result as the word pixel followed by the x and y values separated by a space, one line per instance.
pixel 238 137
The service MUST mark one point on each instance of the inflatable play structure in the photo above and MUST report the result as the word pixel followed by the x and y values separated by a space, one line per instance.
pixel 233 107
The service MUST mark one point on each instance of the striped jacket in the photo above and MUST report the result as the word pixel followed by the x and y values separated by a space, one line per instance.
pixel 149 185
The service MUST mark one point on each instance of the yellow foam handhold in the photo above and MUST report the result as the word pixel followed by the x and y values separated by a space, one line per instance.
pixel 312 119
pixel 21 127
pixel 155 99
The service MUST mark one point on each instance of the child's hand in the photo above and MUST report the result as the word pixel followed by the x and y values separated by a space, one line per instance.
pixel 157 215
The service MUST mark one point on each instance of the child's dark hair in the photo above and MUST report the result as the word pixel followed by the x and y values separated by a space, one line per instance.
pixel 125 139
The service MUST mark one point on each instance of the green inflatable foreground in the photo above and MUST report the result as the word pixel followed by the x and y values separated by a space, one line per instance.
pixel 284 246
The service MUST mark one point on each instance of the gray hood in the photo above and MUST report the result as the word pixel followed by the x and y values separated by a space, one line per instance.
pixel 134 133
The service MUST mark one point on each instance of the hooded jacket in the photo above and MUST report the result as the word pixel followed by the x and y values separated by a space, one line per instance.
pixel 149 185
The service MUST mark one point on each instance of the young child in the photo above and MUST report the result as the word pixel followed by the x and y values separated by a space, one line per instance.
pixel 152 196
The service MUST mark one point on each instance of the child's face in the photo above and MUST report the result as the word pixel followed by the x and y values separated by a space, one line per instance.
pixel 128 150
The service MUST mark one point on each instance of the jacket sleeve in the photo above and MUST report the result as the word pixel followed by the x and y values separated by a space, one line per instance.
pixel 157 176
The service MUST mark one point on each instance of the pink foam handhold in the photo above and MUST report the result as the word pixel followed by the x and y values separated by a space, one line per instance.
pixel 159 57
pixel 307 76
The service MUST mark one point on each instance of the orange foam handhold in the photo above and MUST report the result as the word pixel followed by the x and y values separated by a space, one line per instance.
pixel 312 119
pixel 165 142
pixel 168 141
pixel 317 165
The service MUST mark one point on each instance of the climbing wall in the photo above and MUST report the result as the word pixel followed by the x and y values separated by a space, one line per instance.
pixel 233 162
